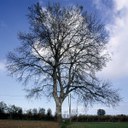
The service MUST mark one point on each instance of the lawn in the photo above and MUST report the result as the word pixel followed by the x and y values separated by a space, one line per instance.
pixel 99 125
pixel 27 124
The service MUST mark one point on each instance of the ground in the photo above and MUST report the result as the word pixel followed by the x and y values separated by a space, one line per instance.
pixel 48 124
pixel 27 124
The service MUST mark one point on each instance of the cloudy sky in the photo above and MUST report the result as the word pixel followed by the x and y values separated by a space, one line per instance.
pixel 114 13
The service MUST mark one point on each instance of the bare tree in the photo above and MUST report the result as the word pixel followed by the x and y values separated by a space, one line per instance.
pixel 62 53
pixel 3 107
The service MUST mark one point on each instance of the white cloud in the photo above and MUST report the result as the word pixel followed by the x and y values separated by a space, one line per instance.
pixel 121 4
pixel 2 66
pixel 118 44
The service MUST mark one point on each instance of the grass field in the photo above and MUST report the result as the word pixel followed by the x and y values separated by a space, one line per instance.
pixel 27 124
pixel 44 124
pixel 99 125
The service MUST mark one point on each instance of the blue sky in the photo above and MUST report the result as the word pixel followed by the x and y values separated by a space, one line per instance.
pixel 113 13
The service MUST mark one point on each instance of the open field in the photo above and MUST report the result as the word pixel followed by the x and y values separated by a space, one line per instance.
pixel 99 125
pixel 27 124
pixel 45 124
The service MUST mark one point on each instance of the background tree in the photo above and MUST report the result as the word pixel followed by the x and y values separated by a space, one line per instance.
pixel 29 111
pixel 100 112
pixel 3 107
pixel 15 112
pixel 49 114
pixel 3 110
pixel 34 111
pixel 62 53
pixel 42 111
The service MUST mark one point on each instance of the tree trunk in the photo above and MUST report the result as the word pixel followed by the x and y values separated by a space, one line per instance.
pixel 57 99
pixel 59 112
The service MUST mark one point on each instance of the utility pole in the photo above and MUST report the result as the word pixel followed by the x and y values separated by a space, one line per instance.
pixel 77 110
pixel 69 104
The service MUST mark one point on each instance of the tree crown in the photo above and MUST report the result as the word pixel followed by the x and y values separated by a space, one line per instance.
pixel 62 53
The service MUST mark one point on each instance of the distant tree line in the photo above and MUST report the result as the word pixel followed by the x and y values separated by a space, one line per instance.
pixel 17 113
pixel 14 112
pixel 103 118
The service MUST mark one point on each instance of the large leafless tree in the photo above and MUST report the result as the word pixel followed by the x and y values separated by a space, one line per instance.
pixel 61 53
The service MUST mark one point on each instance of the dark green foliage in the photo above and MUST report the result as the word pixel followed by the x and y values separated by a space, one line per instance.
pixel 100 112
pixel 106 118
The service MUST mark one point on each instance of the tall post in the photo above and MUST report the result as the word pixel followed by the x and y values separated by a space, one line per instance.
pixel 69 103
pixel 77 110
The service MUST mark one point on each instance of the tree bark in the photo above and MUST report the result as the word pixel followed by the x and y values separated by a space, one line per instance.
pixel 59 112
pixel 57 99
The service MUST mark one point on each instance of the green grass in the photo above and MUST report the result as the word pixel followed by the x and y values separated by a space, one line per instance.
pixel 99 125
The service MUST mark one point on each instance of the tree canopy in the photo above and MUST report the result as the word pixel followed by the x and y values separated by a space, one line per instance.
pixel 100 112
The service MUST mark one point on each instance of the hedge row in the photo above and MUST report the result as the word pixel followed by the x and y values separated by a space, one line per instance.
pixel 106 118
pixel 27 117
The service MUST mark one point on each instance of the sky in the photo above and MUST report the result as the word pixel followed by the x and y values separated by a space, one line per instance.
pixel 113 13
